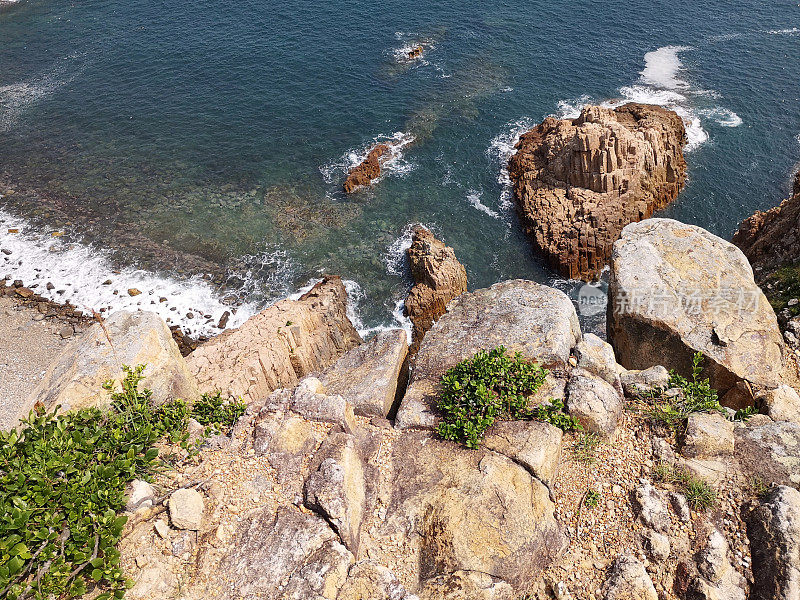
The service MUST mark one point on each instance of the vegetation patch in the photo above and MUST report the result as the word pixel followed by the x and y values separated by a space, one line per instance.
pixel 783 286
pixel 584 450
pixel 699 493
pixel 695 395
pixel 493 386
pixel 62 487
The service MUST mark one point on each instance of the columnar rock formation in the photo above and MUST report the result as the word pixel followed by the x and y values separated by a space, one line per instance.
pixel 676 289
pixel 279 345
pixel 438 277
pixel 578 182
pixel 771 238
pixel 368 170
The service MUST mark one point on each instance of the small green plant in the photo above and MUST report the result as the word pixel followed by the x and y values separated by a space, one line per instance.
pixel 62 487
pixel 218 414
pixel 744 414
pixel 758 487
pixel 489 386
pixel 584 449
pixel 696 395
pixel 699 493
pixel 553 413
pixel 592 499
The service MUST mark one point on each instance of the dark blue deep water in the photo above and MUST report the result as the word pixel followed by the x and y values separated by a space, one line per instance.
pixel 184 136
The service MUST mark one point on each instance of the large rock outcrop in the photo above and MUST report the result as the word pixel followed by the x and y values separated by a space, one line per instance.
pixel 578 182
pixel 368 170
pixel 279 345
pixel 438 278
pixel 472 511
pixel 75 379
pixel 774 531
pixel 536 320
pixel 676 289
pixel 771 238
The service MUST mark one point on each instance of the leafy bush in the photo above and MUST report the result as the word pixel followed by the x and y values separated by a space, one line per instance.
pixel 62 485
pixel 553 413
pixel 213 411
pixel 697 396
pixel 489 386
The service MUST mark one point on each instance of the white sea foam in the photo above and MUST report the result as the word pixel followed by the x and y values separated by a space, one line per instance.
pixel 789 31
pixel 266 275
pixel 355 298
pixel 79 272
pixel 474 198
pixel 394 165
pixel 500 149
pixel 723 116
pixel 396 257
pixel 662 66
pixel 570 109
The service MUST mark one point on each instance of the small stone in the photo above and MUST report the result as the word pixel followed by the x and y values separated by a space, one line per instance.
pixel 66 332
pixel 186 509
pixel 134 292
pixel 140 494
pixel 162 529
pixel 107 282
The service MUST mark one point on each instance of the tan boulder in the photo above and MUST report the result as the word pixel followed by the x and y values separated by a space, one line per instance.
pixel 675 290
pixel 469 510
pixel 368 170
pixel 538 321
pixel 76 377
pixel 368 376
pixel 438 278
pixel 578 182
pixel 278 346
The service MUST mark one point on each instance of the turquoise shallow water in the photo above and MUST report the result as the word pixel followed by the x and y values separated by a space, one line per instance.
pixel 189 137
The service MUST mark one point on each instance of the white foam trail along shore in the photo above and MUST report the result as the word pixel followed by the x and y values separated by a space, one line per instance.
pixel 474 199
pixel 500 149
pixel 78 274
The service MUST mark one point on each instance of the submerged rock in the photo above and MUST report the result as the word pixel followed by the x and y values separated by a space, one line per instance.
pixel 578 182
pixel 438 278
pixel 676 289
pixel 75 379
pixel 526 317
pixel 279 345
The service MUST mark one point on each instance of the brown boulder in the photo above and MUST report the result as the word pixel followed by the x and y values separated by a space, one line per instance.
pixel 578 182
pixel 368 170
pixel 438 278
pixel 415 52
pixel 278 346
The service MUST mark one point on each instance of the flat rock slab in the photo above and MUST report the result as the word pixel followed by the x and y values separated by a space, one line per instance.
pixel 470 510
pixel 770 450
pixel 278 346
pixel 368 375
pixel 526 317
pixel 676 289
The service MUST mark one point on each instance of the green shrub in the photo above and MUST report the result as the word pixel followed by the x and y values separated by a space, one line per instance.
pixel 211 410
pixel 592 499
pixel 489 386
pixel 697 396
pixel 62 485
pixel 553 413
